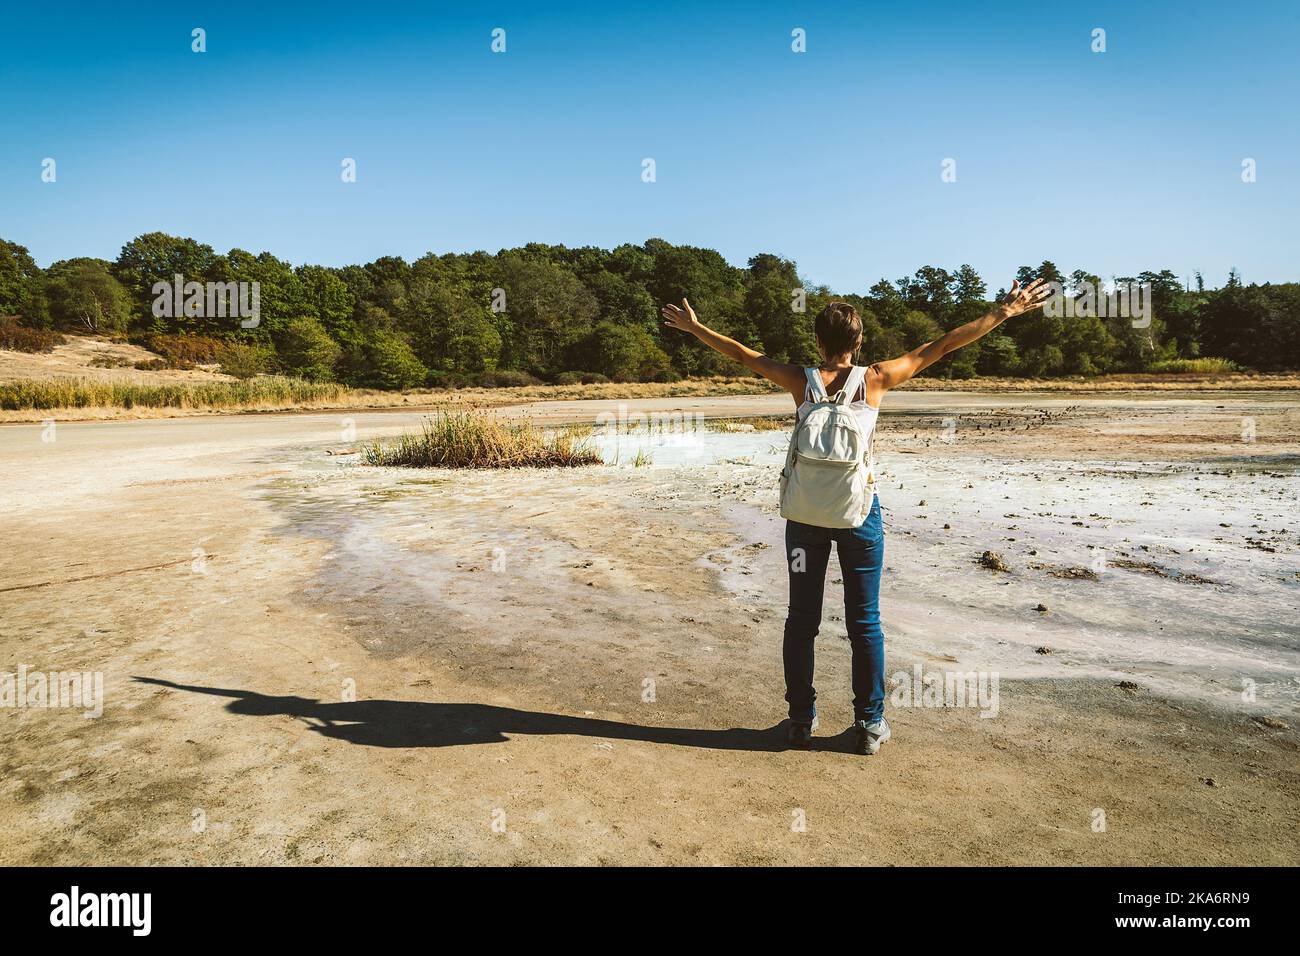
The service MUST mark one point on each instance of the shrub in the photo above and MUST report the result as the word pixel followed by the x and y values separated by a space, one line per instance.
pixel 20 338
pixel 505 378
pixel 151 365
pixel 244 359
pixel 185 351
pixel 580 378
pixel 1199 366
pixel 449 380
pixel 478 440
pixel 110 361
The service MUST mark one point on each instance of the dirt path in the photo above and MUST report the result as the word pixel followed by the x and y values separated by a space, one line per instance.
pixel 309 661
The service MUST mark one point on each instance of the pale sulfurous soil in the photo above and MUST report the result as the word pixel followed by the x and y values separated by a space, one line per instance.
pixel 310 661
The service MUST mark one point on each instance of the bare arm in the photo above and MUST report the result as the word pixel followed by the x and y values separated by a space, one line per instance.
pixel 895 372
pixel 789 377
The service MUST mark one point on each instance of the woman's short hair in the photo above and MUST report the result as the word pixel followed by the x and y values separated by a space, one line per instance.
pixel 839 328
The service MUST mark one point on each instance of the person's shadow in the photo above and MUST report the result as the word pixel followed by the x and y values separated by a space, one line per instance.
pixel 414 723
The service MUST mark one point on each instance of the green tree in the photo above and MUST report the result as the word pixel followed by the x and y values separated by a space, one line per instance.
pixel 928 291
pixel 381 358
pixel 20 285
pixel 83 296
pixel 549 309
pixel 622 300
pixel 998 355
pixel 448 330
pixel 280 291
pixel 967 286
pixel 715 289
pixel 326 296
pixel 306 350
pixel 878 342
pixel 887 304
pixel 157 257
pixel 624 353
pixel 770 299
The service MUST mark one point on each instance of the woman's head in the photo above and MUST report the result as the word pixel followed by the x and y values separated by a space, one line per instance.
pixel 839 330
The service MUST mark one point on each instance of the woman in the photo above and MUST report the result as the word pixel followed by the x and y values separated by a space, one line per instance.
pixel 861 549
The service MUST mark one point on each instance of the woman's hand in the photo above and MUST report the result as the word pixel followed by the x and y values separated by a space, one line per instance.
pixel 683 318
pixel 1025 298
pixel 895 372
pixel 789 377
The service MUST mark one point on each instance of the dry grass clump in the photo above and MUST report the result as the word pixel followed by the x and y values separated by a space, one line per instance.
pixel 478 440
pixel 759 423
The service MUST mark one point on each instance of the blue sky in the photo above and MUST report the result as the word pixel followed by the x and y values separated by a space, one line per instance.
pixel 1113 162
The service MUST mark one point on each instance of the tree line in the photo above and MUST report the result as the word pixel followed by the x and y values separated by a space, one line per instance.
pixel 559 314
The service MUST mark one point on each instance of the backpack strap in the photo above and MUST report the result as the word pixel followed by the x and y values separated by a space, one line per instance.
pixel 816 388
pixel 851 385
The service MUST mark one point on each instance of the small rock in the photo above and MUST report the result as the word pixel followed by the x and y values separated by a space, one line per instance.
pixel 1272 722
pixel 994 561
pixel 1041 608
pixel 1043 650
pixel 1085 574
pixel 1128 685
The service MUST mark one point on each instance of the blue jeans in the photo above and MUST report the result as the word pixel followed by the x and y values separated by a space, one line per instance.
pixel 862 552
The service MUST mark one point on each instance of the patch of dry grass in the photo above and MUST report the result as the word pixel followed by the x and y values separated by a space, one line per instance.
pixel 760 423
pixel 88 394
pixel 480 440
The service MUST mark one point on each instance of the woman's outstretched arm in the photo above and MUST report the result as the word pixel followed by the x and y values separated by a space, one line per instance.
pixel 789 377
pixel 895 372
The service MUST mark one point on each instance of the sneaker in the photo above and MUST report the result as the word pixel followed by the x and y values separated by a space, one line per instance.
pixel 871 736
pixel 799 735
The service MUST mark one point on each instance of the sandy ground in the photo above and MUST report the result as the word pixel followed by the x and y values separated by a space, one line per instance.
pixel 306 660
pixel 77 358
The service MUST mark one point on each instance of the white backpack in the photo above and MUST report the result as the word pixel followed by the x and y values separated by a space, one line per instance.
pixel 827 480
